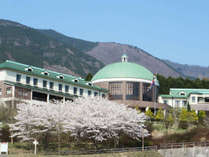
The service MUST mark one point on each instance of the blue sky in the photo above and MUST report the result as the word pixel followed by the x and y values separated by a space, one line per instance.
pixel 175 30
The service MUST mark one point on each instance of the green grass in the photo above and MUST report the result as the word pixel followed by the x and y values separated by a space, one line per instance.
pixel 126 154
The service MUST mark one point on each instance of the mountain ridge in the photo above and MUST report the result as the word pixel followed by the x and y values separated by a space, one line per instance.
pixel 50 49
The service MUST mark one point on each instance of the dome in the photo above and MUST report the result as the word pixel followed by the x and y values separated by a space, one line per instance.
pixel 123 70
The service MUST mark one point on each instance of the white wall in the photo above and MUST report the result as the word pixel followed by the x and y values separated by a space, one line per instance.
pixel 2 75
pixel 11 76
pixel 172 102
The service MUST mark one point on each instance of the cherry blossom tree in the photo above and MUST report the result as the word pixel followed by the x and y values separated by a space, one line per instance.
pixel 95 119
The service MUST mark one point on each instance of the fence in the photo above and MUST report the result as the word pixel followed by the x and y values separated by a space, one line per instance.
pixel 129 149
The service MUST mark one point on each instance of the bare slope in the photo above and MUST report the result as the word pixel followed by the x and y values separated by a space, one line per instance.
pixel 111 52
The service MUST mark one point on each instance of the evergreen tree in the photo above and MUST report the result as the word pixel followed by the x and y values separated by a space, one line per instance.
pixel 88 77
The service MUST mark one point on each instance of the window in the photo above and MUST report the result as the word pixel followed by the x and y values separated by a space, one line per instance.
pixel 75 80
pixel 177 103
pixel 132 90
pixel 81 92
pixel 115 89
pixel 165 102
pixel 18 77
pixel 74 90
pixel 66 88
pixel 45 73
pixel 0 91
pixel 95 93
pixel 8 90
pixel 29 69
pixel 35 81
pixel 27 80
pixel 60 76
pixel 44 84
pixel 193 99
pixel 89 93
pixel 184 103
pixel 51 85
pixel 60 87
pixel 182 94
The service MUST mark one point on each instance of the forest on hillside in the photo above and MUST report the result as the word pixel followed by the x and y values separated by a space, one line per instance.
pixel 170 82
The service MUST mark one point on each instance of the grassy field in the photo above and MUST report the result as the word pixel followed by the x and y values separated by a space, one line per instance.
pixel 127 154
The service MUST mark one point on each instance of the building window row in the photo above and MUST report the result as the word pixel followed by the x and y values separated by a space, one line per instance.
pixel 45 84
pixel 8 91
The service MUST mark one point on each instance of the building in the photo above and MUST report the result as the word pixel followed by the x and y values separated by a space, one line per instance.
pixel 129 83
pixel 20 82
pixel 198 99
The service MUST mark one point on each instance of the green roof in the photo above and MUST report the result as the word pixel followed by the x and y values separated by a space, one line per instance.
pixel 170 96
pixel 123 70
pixel 176 92
pixel 187 91
pixel 15 66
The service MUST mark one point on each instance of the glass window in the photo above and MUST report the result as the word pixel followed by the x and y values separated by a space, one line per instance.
pixel 18 77
pixel 27 80
pixel 51 85
pixel 44 83
pixel 81 92
pixel 193 99
pixel 66 88
pixel 115 89
pixel 177 103
pixel 95 93
pixel 0 91
pixel 35 81
pixel 165 102
pixel 60 87
pixel 75 90
pixel 89 93
pixel 132 90
pixel 8 90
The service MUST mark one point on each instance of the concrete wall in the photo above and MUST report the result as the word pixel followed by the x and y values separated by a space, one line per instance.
pixel 185 152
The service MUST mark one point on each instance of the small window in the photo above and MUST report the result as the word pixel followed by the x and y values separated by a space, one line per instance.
pixel 89 93
pixel 76 80
pixel 18 77
pixel 193 99
pixel 103 95
pixel 182 93
pixel 165 102
pixel 27 80
pixel 90 84
pixel 29 69
pixel 51 85
pixel 0 91
pixel 81 92
pixel 66 88
pixel 44 84
pixel 177 103
pixel 8 90
pixel 75 90
pixel 35 81
pixel 95 93
pixel 60 87
pixel 60 76
pixel 45 73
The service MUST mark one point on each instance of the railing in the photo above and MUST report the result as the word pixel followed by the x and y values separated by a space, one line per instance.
pixel 129 149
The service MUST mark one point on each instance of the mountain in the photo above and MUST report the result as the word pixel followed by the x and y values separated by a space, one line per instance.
pixel 39 48
pixel 193 71
pixel 52 50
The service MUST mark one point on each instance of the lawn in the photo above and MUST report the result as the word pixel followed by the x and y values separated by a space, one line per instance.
pixel 126 154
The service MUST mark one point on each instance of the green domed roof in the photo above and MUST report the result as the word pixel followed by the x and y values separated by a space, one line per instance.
pixel 123 70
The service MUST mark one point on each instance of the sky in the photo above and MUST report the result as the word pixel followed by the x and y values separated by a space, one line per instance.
pixel 177 30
